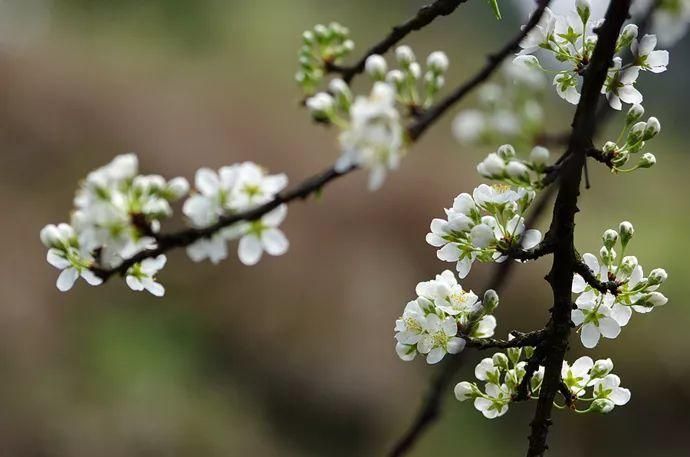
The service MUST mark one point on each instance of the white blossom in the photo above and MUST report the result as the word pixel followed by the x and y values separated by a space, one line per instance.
pixel 373 139
pixel 619 86
pixel 646 57
pixel 439 338
pixel 142 276
pixel 263 235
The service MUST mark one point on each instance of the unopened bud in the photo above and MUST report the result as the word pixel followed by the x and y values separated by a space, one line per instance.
pixel 610 237
pixel 647 160
pixel 635 113
pixel 626 231
pixel 376 66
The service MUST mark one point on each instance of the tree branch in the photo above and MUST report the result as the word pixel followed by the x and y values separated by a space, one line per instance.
pixel 422 123
pixel 424 17
pixel 520 340
pixel 563 224
pixel 602 286
pixel 544 248
pixel 187 237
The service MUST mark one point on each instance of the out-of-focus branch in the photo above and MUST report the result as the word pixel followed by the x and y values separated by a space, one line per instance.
pixel 424 17
pixel 430 116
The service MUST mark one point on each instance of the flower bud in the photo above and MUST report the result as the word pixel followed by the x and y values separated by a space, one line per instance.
pixel 51 236
pixel 629 31
pixel 539 155
pixel 177 188
pixel 514 354
pixel 601 368
pixel 601 405
pixel 404 55
pixel 657 276
pixel 583 9
pixel 308 37
pixel 415 70
pixel 628 264
pixel 501 361
pixel 657 299
pixel 465 390
pixel 320 31
pixel 620 158
pixel 490 301
pixel 348 46
pixel 339 87
pixel 626 231
pixel 527 61
pixel 506 151
pixel 321 106
pixel 607 255
pixel 376 66
pixel 610 237
pixel 652 128
pixel 636 132
pixel 437 62
pixel 517 169
pixel 492 166
pixel 395 77
pixel 647 160
pixel 609 147
pixel 635 113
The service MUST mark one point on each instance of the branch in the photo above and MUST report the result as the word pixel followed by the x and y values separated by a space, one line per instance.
pixel 424 17
pixel 601 156
pixel 423 122
pixel 430 409
pixel 187 237
pixel 602 286
pixel 563 224
pixel 544 248
pixel 520 340
pixel 524 390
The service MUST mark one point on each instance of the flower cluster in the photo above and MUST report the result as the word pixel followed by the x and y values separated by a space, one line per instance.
pixel 372 134
pixel 508 111
pixel 118 214
pixel 504 165
pixel 587 381
pixel 230 190
pixel 323 46
pixel 636 135
pixel 433 324
pixel 571 40
pixel 604 313
pixel 483 226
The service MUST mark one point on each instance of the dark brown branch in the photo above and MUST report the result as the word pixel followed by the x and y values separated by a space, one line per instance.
pixel 497 280
pixel 424 17
pixel 563 224
pixel 588 275
pixel 186 237
pixel 423 122
pixel 520 340
pixel 544 248
pixel 567 394
pixel 601 156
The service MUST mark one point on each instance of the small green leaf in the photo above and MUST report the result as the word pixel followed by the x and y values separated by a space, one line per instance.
pixel 494 6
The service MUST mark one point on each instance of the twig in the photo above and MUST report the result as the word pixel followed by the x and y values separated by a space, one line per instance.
pixel 188 236
pixel 422 123
pixel 520 340
pixel 588 275
pixel 563 224
pixel 424 17
pixel 544 248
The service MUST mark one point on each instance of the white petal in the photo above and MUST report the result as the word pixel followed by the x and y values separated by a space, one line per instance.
pixel 463 267
pixel 134 283
pixel 275 217
pixel 448 253
pixel 579 284
pixel 620 396
pixel 530 238
pixel 577 317
pixel 609 328
pixel 274 241
pixel 621 314
pixel 591 261
pixel 455 345
pixel 589 335
pixel 435 355
pixel 206 181
pixel 91 278
pixel 55 259
pixel 249 250
pixel 154 287
pixel 66 279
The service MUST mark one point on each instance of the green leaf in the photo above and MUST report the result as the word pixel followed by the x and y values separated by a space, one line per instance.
pixel 494 6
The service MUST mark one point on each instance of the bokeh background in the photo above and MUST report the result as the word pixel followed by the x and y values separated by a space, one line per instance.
pixel 293 357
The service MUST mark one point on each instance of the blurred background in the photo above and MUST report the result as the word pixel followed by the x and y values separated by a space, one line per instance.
pixel 293 357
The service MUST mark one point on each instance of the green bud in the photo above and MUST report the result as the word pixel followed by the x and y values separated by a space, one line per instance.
pixel 601 405
pixel 490 301
pixel 609 147
pixel 607 255
pixel 626 231
pixel 506 151
pixel 501 361
pixel 609 238
pixel 635 113
pixel 514 355
pixel 601 368
pixel 652 128
pixel 637 132
pixel 647 160
pixel 657 276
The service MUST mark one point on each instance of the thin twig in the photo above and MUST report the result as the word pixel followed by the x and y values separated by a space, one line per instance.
pixel 588 275
pixel 424 17
pixel 422 123
pixel 519 340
